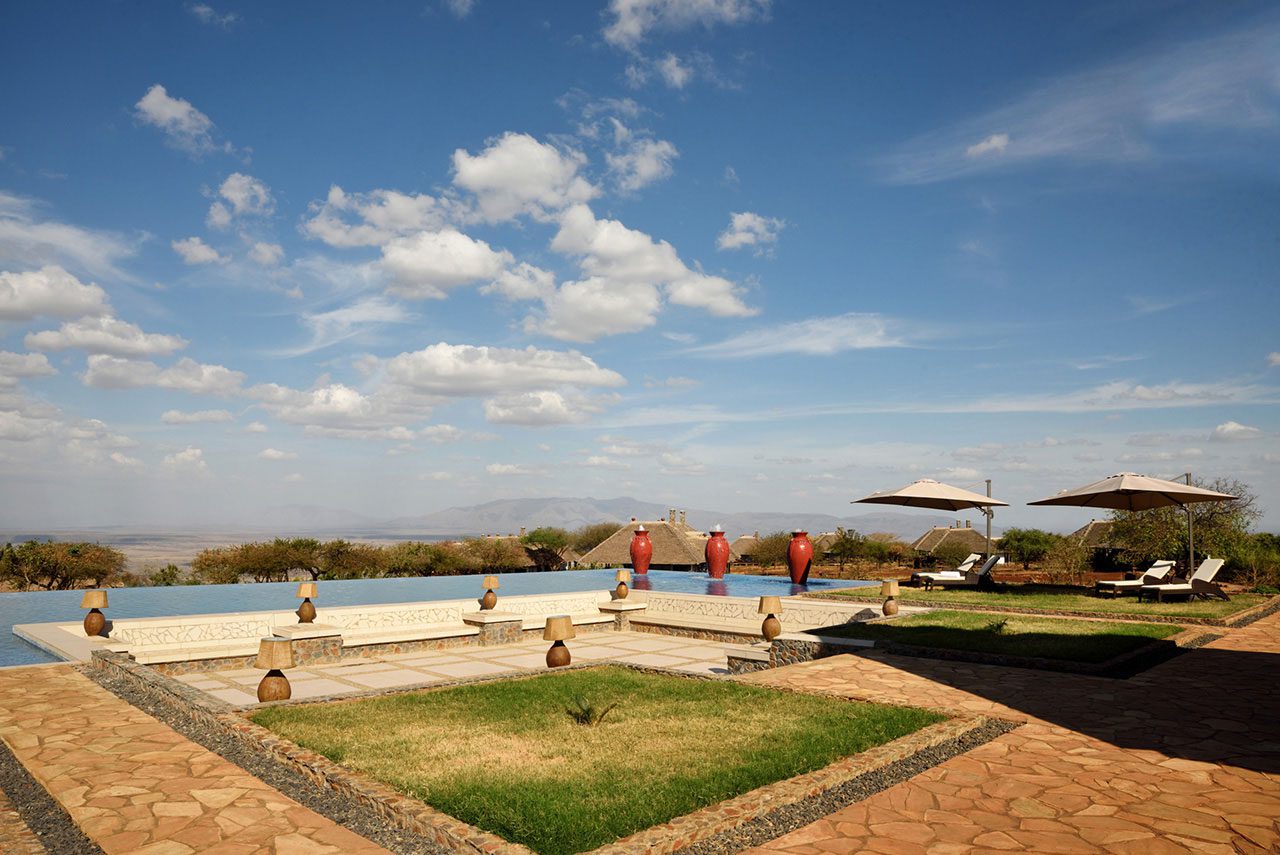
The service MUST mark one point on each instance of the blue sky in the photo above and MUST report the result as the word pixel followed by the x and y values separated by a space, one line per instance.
pixel 732 254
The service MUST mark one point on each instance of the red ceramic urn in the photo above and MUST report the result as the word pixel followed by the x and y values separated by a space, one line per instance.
pixel 717 554
pixel 799 556
pixel 641 551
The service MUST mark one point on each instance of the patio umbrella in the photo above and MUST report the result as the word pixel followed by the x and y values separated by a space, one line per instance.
pixel 1129 491
pixel 927 493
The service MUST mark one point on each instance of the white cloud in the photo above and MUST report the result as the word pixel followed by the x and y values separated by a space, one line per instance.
pixel 105 335
pixel 458 370
pixel 27 240
pixel 518 175
pixel 247 196
pixel 426 265
pixel 380 214
pixel 337 410
pixel 814 337
pixel 511 469
pixel 336 325
pixel 671 383
pixel 267 254
pixel 206 14
pixel 21 366
pixel 640 160
pixel 277 454
pixel 596 307
pixel 633 20
pixel 1234 432
pixel 436 476
pixel 747 229
pixel 440 434
pixel 48 292
pixel 1121 395
pixel 460 8
pixel 599 461
pixel 187 375
pixel 540 409
pixel 523 282
pixel 1118 113
pixel 673 72
pixel 255 427
pixel 194 250
pixel 996 143
pixel 671 463
pixel 122 459
pixel 178 417
pixel 184 126
pixel 190 459
pixel 1273 359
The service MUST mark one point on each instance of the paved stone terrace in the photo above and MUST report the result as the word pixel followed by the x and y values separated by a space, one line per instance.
pixel 133 784
pixel 1183 758
pixel 239 687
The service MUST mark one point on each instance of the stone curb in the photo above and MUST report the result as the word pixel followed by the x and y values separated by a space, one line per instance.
pixel 1248 615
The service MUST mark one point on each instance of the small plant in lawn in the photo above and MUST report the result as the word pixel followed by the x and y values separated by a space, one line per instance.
pixel 585 712
pixel 998 626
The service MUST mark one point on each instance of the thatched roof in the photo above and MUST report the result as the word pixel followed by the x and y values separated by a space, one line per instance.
pixel 1095 534
pixel 743 547
pixel 969 538
pixel 675 544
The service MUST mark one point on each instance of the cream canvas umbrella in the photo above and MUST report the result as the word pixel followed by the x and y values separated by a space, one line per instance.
pixel 927 493
pixel 1129 491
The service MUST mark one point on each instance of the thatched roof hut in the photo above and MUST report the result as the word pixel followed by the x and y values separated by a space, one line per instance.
pixel 967 537
pixel 676 546
pixel 742 548
pixel 1095 534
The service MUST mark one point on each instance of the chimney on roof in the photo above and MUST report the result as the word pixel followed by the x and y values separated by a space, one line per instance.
pixel 522 531
pixel 968 524
pixel 671 515
pixel 757 534
pixel 633 519
pixel 682 520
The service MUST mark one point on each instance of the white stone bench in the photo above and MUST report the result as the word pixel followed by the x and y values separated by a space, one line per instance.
pixel 357 637
pixel 540 621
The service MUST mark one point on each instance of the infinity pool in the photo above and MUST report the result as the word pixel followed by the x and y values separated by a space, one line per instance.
pixel 47 606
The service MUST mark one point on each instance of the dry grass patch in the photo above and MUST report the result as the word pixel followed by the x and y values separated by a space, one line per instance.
pixel 506 756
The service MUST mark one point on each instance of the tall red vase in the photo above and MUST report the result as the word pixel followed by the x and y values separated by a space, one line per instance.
pixel 717 554
pixel 799 556
pixel 641 551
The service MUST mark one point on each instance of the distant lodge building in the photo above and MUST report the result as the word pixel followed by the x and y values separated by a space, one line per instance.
pixel 1095 535
pixel 676 545
pixel 742 548
pixel 966 537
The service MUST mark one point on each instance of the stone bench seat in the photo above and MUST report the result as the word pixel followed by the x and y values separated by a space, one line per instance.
pixel 148 654
pixel 540 621
pixel 358 636
pixel 713 624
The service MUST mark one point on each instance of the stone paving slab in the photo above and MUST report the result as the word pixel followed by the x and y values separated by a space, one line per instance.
pixel 15 837
pixel 1183 758
pixel 133 784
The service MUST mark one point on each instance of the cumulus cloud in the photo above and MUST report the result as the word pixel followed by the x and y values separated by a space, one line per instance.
pixel 460 8
pixel 189 460
pixel 540 408
pixel 674 73
pixel 523 282
pixel 105 335
pixel 194 250
pixel 241 196
pixel 428 264
pixel 814 336
pixel 255 427
pixel 29 240
pixel 994 144
pixel 517 175
pixel 372 219
pixel 1234 432
pixel 631 21
pixel 48 292
pixel 267 254
pixel 277 454
pixel 511 469
pixel 206 14
pixel 1273 358
pixel 750 230
pixel 639 160
pixel 21 366
pixel 187 375
pixel 178 417
pixel 456 370
pixel 183 126
pixel 335 409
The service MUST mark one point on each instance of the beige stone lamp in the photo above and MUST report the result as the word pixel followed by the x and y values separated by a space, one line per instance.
pixel 95 621
pixel 306 611
pixel 622 577
pixel 772 627
pixel 889 590
pixel 490 599
pixel 558 629
pixel 274 654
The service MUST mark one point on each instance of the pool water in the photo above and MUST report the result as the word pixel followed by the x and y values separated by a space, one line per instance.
pixel 48 606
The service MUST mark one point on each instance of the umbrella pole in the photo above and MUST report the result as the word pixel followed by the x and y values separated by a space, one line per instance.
pixel 1191 542
pixel 989 513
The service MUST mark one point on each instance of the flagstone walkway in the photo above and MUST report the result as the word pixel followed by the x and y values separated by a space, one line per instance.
pixel 1183 758
pixel 133 784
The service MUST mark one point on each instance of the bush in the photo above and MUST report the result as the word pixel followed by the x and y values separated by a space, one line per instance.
pixel 54 566
pixel 589 537
pixel 1067 563
pixel 1027 545
pixel 772 549
pixel 950 554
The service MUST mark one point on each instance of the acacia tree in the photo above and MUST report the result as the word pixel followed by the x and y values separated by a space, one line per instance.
pixel 1027 544
pixel 546 546
pixel 55 566
pixel 1220 527
pixel 416 558
pixel 590 536
pixel 772 549
pixel 847 546
pixel 496 554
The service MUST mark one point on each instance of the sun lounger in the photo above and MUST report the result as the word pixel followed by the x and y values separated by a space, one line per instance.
pixel 1200 584
pixel 1156 574
pixel 958 573
pixel 969 579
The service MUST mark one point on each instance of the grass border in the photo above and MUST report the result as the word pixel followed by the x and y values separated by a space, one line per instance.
pixel 1240 618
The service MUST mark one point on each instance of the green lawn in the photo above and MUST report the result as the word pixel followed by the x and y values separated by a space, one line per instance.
pixel 1067 598
pixel 505 756
pixel 1040 637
